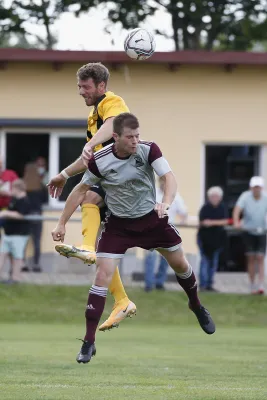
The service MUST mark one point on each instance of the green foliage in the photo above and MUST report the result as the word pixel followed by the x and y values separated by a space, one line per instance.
pixel 10 21
pixel 13 18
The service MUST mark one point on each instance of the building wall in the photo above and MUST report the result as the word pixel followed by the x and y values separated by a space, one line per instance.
pixel 179 110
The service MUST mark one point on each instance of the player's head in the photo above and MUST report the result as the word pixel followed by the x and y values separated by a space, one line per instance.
pixel 92 82
pixel 126 133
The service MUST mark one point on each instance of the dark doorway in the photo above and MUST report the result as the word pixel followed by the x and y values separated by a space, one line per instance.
pixel 231 168
pixel 70 148
pixel 22 148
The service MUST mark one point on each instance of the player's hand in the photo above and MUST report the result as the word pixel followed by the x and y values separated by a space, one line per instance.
pixel 58 233
pixel 162 209
pixel 87 154
pixel 56 185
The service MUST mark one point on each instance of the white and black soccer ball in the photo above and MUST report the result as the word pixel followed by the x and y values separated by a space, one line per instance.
pixel 139 44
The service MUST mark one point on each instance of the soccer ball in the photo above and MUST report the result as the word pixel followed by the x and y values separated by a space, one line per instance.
pixel 139 44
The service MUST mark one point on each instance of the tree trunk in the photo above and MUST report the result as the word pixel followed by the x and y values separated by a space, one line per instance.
pixel 175 26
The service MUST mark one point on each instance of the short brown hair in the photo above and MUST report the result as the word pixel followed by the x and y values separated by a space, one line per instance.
pixel 125 120
pixel 97 71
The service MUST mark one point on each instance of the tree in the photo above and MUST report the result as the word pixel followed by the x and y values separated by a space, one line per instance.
pixel 13 20
pixel 10 20
pixel 198 24
pixel 44 13
pixel 18 40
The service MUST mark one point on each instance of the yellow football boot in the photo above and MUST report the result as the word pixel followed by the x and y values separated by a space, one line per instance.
pixel 122 309
pixel 83 253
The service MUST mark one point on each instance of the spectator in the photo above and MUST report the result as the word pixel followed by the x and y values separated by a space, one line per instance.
pixel 7 176
pixel 16 229
pixel 35 178
pixel 177 209
pixel 211 236
pixel 253 205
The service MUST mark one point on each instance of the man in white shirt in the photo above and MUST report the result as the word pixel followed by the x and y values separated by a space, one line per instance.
pixel 253 205
pixel 176 211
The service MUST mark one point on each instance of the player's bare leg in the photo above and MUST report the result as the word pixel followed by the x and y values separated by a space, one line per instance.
pixel 95 306
pixel 187 280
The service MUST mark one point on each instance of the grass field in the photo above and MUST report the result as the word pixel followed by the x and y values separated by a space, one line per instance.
pixel 161 354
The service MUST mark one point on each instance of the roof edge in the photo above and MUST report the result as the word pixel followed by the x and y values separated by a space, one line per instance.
pixel 119 57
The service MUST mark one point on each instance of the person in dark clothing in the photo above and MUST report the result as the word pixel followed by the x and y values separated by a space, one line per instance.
pixel 211 236
pixel 35 178
pixel 17 230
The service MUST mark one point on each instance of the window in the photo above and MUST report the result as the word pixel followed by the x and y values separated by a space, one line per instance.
pixel 22 148
pixel 59 149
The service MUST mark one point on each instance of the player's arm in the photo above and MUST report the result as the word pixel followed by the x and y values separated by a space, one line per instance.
pixel 56 184
pixel 163 170
pixel 74 199
pixel 170 188
pixel 104 133
pixel 110 108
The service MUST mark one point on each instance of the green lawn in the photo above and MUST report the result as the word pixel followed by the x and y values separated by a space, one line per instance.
pixel 160 354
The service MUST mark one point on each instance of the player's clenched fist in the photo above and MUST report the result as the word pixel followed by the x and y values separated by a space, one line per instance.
pixel 162 209
pixel 58 233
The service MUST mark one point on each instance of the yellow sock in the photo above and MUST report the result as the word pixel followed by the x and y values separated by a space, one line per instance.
pixel 116 287
pixel 90 225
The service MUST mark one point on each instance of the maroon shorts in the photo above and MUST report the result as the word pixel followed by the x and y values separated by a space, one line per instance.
pixel 148 232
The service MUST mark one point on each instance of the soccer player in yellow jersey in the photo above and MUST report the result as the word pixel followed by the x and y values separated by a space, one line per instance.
pixel 92 84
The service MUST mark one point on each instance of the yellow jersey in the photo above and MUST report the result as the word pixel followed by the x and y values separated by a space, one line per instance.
pixel 108 105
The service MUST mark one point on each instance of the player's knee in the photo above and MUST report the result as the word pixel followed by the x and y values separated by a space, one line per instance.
pixel 92 198
pixel 180 265
pixel 103 277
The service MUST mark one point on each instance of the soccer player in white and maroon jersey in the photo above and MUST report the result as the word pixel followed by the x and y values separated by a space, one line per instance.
pixel 126 172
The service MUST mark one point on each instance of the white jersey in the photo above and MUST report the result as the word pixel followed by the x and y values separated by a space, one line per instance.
pixel 129 182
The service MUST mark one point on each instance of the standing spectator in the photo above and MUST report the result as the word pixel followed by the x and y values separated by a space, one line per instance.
pixel 35 178
pixel 16 229
pixel 177 209
pixel 253 205
pixel 7 176
pixel 211 236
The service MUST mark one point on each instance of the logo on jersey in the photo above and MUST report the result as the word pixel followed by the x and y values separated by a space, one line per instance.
pixel 138 161
pixel 113 173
